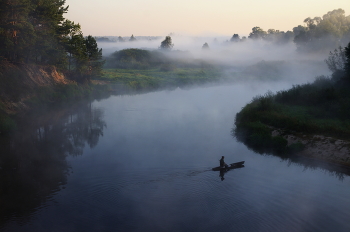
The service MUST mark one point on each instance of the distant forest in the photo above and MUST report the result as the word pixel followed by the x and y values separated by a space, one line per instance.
pixel 36 32
pixel 319 33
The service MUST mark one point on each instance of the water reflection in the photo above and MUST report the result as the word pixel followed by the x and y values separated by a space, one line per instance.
pixel 338 171
pixel 33 164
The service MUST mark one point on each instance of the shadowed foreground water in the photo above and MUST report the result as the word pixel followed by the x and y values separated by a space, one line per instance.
pixel 143 163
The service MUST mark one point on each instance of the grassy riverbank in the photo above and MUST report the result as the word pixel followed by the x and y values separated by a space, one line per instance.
pixel 156 78
pixel 320 108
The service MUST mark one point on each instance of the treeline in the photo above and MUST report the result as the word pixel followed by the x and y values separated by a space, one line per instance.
pixel 318 33
pixel 36 32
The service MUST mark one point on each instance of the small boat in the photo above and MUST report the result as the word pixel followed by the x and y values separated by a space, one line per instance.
pixel 230 166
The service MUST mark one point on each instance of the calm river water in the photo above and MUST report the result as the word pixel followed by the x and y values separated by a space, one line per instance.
pixel 143 163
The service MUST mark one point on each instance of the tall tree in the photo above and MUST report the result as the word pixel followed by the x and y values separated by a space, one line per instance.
pixel 16 33
pixel 347 60
pixel 332 30
pixel 94 56
pixel 166 44
pixel 47 19
pixel 257 33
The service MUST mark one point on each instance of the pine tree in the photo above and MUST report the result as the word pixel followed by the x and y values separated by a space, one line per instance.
pixel 94 56
pixel 16 33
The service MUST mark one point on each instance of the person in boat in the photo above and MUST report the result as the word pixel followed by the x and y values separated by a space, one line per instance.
pixel 222 163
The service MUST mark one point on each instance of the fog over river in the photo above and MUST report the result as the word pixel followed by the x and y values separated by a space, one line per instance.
pixel 143 163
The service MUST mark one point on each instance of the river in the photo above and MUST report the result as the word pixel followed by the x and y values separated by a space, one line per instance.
pixel 143 163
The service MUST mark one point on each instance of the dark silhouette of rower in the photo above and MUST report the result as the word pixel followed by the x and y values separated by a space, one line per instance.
pixel 223 168
pixel 222 163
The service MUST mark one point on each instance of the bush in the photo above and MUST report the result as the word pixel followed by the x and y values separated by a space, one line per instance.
pixel 133 58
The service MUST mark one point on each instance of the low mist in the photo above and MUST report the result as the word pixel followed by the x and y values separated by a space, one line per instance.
pixel 254 59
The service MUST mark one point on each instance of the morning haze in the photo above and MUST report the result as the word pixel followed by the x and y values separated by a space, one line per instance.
pixel 159 18
pixel 174 115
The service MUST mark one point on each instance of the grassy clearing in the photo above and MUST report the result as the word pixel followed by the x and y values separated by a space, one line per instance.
pixel 160 77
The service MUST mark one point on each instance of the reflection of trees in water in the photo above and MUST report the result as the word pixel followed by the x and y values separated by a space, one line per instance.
pixel 33 162
pixel 308 163
pixel 72 132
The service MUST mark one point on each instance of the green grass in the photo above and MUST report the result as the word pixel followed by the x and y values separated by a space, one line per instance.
pixel 159 78
pixel 318 108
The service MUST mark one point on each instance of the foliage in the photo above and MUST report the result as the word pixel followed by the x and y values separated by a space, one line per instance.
pixel 166 44
pixel 272 35
pixel 257 33
pixel 135 59
pixel 332 30
pixel 317 34
pixel 336 60
pixel 347 60
pixel 235 38
pixel 320 107
pixel 94 57
pixel 339 63
pixel 35 32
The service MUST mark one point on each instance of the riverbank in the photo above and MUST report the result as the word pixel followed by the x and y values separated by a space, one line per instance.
pixel 25 88
pixel 310 120
pixel 319 147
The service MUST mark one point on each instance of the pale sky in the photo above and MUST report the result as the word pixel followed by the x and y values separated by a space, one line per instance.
pixel 193 17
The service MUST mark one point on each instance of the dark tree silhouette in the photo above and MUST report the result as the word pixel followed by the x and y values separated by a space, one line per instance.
pixel 167 44
pixel 205 46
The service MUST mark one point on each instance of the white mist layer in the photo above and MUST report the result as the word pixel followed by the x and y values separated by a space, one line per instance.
pixel 297 67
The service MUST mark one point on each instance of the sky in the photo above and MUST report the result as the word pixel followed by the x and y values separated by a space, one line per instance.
pixel 193 17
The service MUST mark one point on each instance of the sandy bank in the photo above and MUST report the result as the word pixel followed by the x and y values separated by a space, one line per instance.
pixel 320 147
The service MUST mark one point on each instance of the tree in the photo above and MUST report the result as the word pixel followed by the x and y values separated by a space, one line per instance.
pixel 347 60
pixel 94 56
pixel 47 19
pixel 132 38
pixel 332 30
pixel 16 33
pixel 35 31
pixel 166 44
pixel 235 38
pixel 279 37
pixel 257 33
pixel 336 60
pixel 120 39
pixel 205 46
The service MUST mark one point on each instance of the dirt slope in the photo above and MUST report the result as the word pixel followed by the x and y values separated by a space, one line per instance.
pixel 19 81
